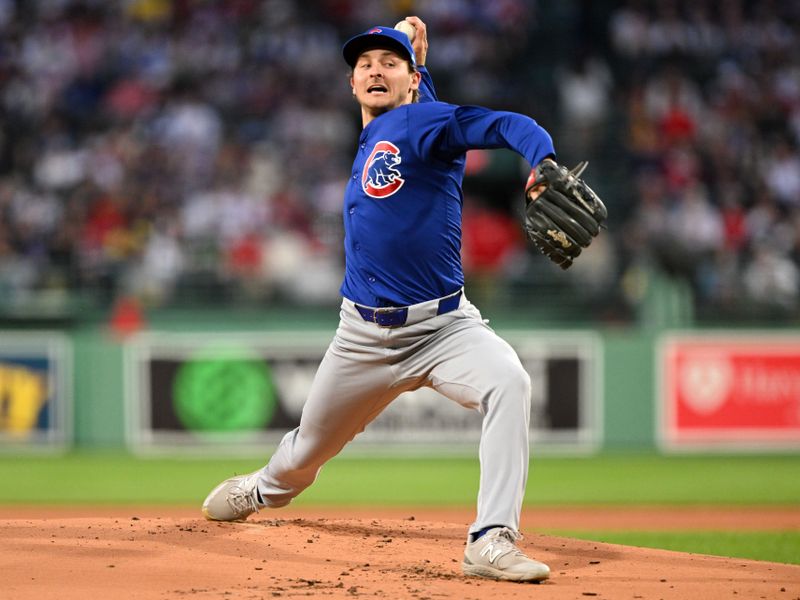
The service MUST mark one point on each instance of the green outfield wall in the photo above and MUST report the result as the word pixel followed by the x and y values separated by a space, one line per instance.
pixel 626 378
pixel 625 389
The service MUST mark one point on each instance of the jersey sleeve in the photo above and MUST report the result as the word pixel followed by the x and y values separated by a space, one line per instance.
pixel 451 133
pixel 427 93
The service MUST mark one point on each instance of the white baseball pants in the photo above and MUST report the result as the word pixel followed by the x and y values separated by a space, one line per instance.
pixel 367 366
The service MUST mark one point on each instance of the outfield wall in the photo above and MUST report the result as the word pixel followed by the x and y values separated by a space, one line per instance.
pixel 622 378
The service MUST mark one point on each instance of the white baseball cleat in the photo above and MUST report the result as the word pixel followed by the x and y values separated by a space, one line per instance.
pixel 234 499
pixel 495 556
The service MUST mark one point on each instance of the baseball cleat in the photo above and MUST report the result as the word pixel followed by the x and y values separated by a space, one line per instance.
pixel 495 556
pixel 233 500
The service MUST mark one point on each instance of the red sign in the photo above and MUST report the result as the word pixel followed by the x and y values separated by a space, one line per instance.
pixel 731 390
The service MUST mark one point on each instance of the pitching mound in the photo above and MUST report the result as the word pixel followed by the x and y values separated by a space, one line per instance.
pixel 179 556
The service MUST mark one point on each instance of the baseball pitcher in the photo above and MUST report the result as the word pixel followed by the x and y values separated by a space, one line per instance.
pixel 405 321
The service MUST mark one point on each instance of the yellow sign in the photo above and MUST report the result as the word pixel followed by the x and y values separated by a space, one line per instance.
pixel 23 392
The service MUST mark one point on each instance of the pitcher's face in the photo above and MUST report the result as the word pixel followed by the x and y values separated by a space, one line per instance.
pixel 382 80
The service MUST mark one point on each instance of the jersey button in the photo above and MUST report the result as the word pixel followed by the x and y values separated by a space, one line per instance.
pixel 355 176
pixel 372 280
pixel 363 146
pixel 357 246
pixel 352 211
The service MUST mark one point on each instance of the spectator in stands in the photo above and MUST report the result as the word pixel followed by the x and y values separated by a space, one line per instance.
pixel 207 132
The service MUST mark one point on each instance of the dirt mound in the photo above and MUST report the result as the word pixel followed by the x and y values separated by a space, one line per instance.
pixel 168 557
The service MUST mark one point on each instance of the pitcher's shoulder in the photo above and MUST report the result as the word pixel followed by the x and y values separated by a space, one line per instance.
pixel 433 107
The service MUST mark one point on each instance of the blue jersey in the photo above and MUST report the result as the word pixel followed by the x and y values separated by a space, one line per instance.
pixel 402 204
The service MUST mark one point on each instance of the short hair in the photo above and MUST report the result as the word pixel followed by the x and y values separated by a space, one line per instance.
pixel 415 93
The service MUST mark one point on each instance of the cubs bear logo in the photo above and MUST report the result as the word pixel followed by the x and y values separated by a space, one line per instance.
pixel 381 177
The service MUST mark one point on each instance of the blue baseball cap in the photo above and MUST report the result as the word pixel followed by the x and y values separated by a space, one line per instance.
pixel 379 37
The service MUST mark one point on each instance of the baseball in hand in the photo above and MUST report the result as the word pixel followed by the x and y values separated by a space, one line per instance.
pixel 406 28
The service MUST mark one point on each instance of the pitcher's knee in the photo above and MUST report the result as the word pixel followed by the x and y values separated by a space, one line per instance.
pixel 510 389
pixel 515 381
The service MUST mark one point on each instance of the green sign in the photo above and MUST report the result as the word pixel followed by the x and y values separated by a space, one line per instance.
pixel 224 394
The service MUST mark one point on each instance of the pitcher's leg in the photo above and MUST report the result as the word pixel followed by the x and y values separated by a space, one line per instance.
pixel 478 369
pixel 345 396
pixel 504 450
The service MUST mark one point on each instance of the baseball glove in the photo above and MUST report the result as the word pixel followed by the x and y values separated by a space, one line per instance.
pixel 562 213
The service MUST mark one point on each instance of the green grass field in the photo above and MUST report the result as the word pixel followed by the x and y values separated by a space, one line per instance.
pixel 609 479
pixel 775 546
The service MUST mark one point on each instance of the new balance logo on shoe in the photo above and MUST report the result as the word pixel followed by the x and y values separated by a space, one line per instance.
pixel 491 552
pixel 495 556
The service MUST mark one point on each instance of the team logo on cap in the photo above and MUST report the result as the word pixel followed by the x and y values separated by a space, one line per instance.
pixel 375 30
pixel 381 177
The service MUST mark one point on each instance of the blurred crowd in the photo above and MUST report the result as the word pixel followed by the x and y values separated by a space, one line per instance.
pixel 711 93
pixel 195 151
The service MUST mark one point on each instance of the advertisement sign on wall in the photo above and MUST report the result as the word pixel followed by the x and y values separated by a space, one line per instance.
pixel 730 392
pixel 185 390
pixel 35 371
